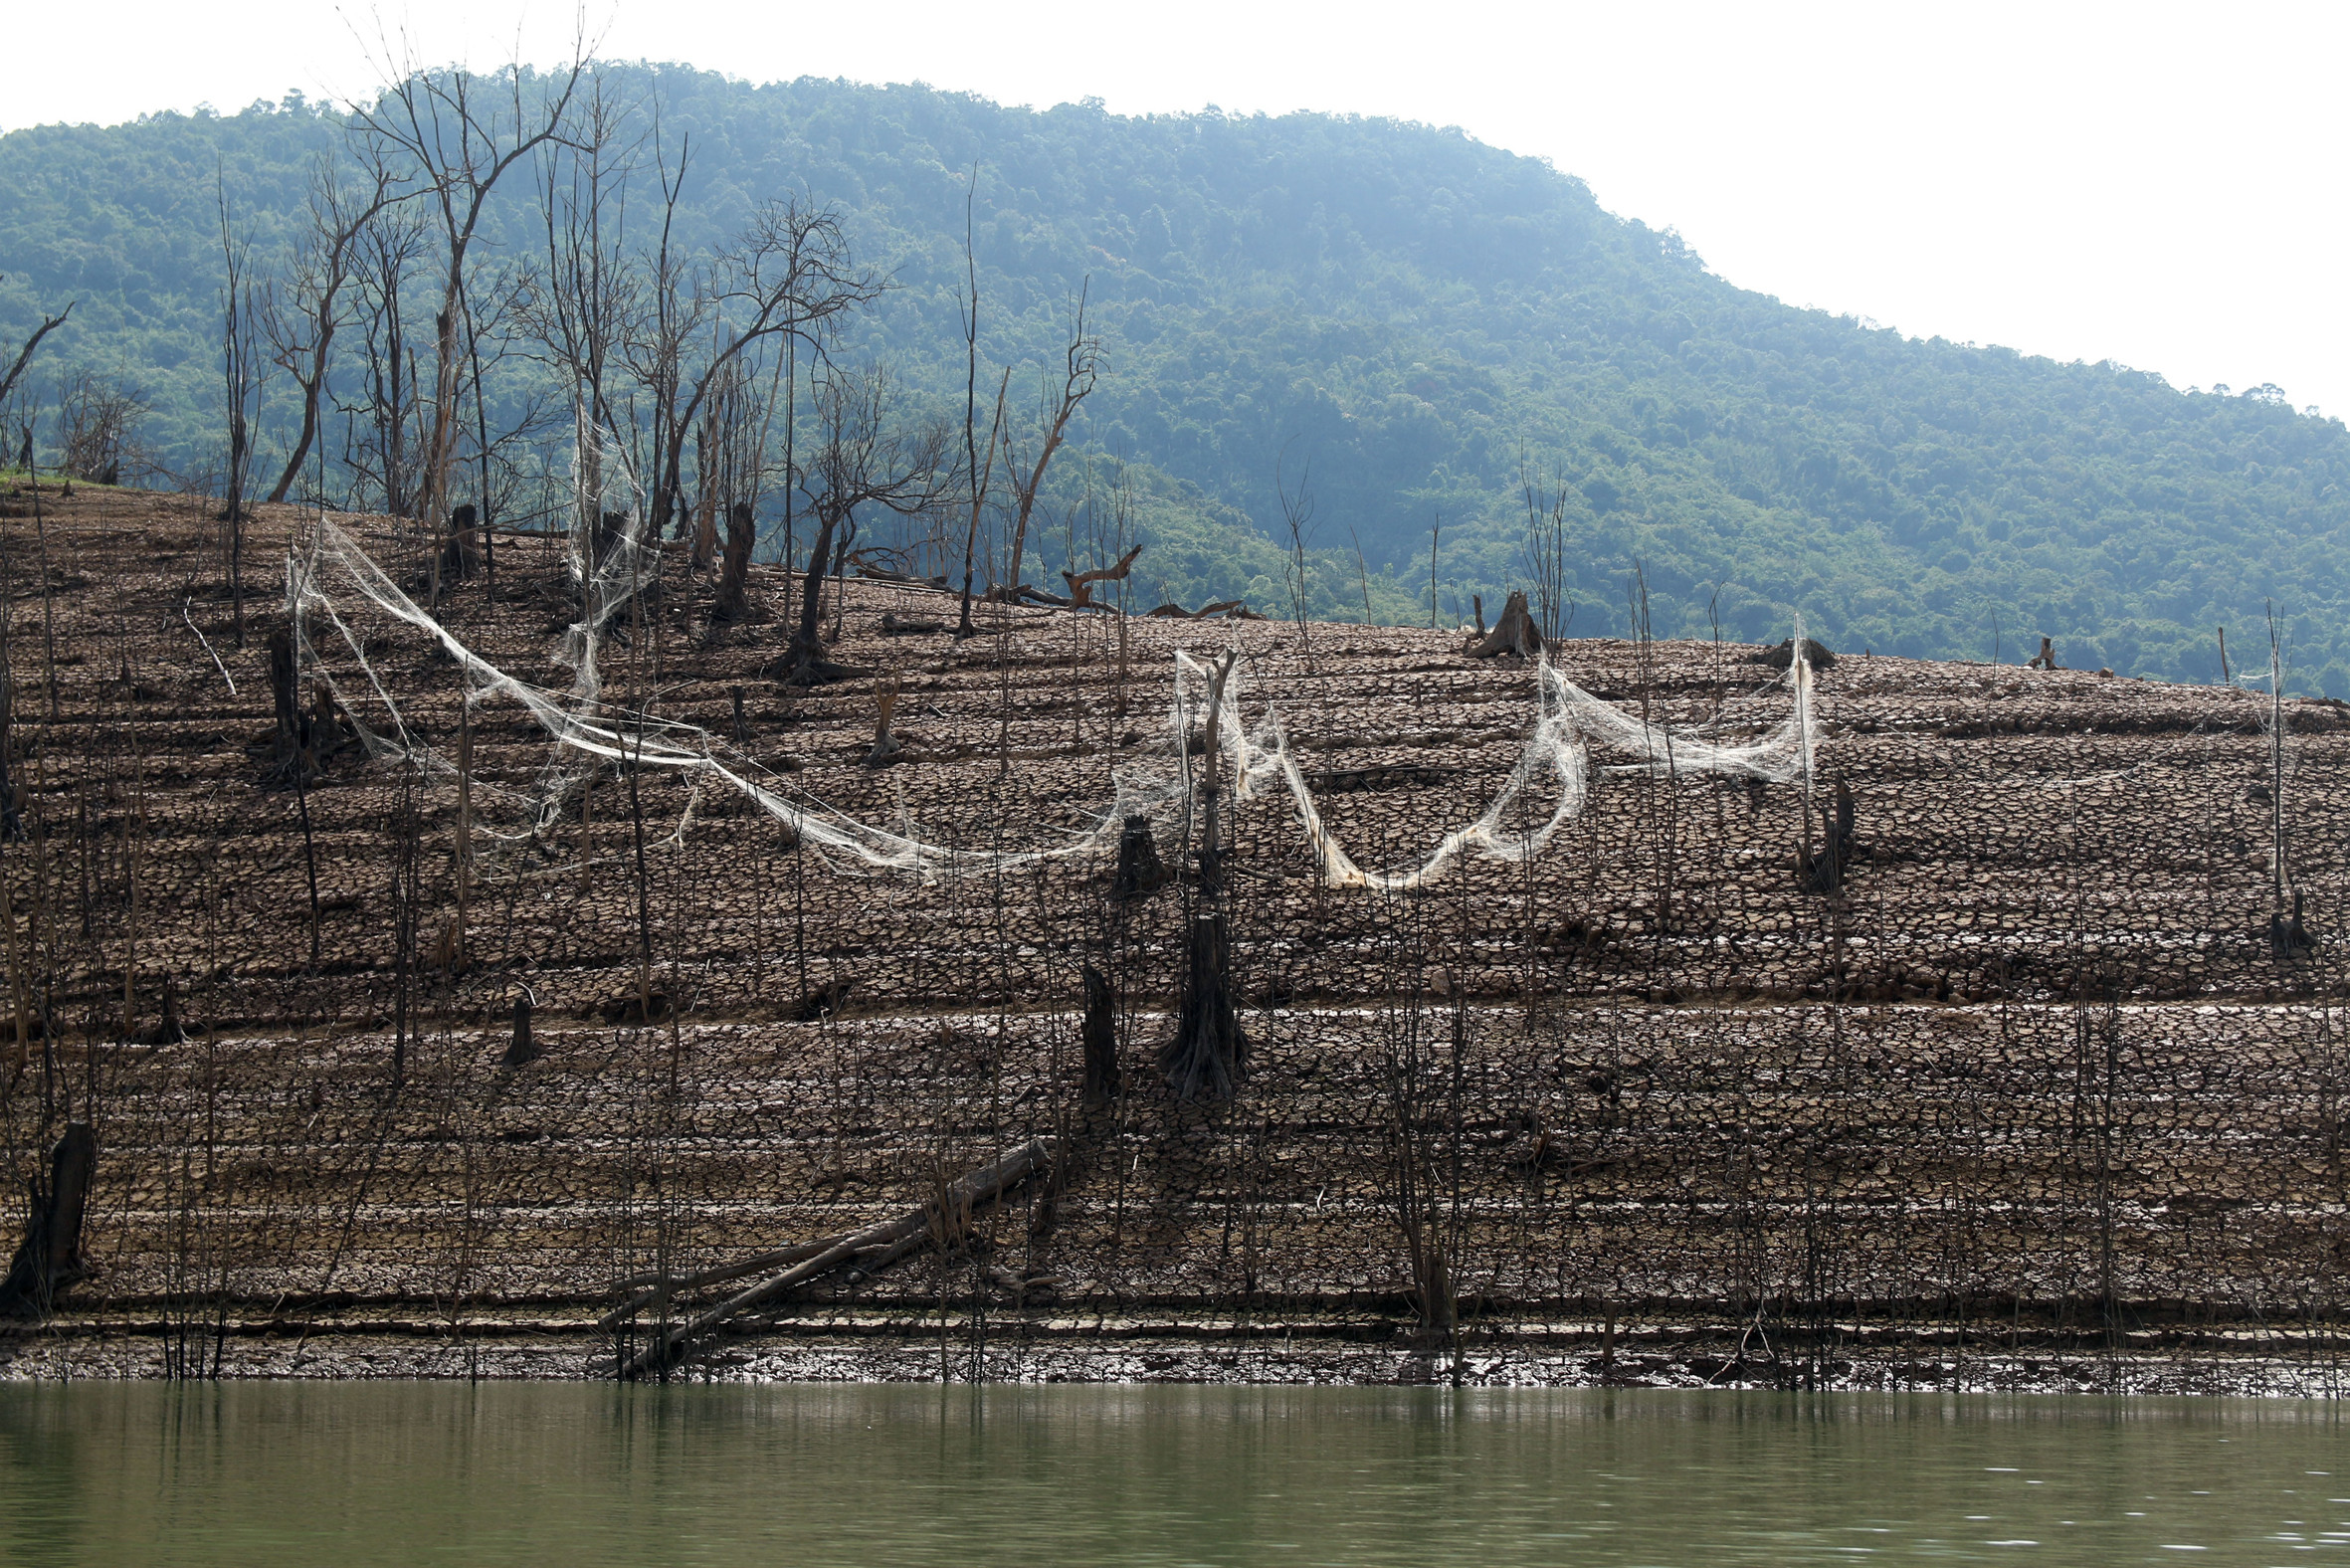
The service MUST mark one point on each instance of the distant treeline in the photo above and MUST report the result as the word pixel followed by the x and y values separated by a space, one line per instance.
pixel 1386 326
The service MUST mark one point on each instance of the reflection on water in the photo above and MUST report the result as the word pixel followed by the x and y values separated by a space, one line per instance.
pixel 583 1475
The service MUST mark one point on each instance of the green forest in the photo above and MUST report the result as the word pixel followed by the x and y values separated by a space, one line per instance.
pixel 1383 331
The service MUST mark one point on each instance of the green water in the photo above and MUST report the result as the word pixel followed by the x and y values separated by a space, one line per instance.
pixel 584 1476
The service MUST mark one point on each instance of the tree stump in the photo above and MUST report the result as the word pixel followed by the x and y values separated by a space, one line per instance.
pixel 1514 633
pixel 886 746
pixel 460 548
pixel 733 602
pixel 2288 936
pixel 1208 1056
pixel 1140 870
pixel 1100 1038
pixel 49 1260
pixel 1816 654
pixel 284 703
pixel 524 1047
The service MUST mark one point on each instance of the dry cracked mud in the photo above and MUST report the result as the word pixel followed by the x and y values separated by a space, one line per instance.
pixel 2031 1101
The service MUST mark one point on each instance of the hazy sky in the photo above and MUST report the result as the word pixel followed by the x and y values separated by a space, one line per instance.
pixel 2158 184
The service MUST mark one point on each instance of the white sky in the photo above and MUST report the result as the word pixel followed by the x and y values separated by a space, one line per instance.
pixel 2156 184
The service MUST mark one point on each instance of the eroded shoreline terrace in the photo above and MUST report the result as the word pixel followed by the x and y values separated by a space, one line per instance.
pixel 424 1038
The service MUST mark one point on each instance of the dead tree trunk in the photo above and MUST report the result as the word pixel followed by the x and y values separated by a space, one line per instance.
pixel 1083 366
pixel 873 1247
pixel 1825 872
pixel 1208 1056
pixel 611 527
pixel 886 746
pixel 50 1257
pixel 2288 936
pixel 1514 633
pixel 285 702
pixel 525 1049
pixel 807 663
pixel 1101 1036
pixel 1140 870
pixel 12 826
pixel 705 533
pixel 733 599
pixel 461 547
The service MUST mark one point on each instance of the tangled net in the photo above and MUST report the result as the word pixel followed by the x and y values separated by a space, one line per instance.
pixel 609 565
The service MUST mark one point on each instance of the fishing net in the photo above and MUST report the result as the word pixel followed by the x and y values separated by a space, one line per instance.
pixel 331 577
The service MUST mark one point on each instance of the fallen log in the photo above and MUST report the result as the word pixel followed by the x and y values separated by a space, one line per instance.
pixel 1238 609
pixel 872 572
pixel 1081 586
pixel 1019 593
pixel 652 1288
pixel 1027 594
pixel 893 1239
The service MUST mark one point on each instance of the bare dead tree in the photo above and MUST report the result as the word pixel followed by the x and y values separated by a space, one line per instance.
pixel 790 274
pixel 460 134
pixel 732 601
pixel 20 416
pixel 982 468
pixel 493 335
pixel 676 308
pixel 243 370
pixel 24 355
pixel 1436 531
pixel 1362 572
pixel 1297 521
pixel 1080 368
pixel 586 294
pixel 387 250
pixel 1545 547
pixel 870 456
pixel 299 318
pixel 97 419
pixel 1422 1105
pixel 979 472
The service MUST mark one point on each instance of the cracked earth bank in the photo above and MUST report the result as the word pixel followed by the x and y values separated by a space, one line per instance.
pixel 2031 1101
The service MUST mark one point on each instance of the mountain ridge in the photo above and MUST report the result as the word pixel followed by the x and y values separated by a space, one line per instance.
pixel 1419 318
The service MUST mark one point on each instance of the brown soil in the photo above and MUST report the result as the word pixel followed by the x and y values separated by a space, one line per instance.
pixel 2033 1090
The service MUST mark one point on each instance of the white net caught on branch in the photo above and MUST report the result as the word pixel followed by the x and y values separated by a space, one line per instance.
pixel 333 575
pixel 1567 716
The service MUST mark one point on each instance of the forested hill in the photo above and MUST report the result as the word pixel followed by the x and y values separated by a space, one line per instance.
pixel 1409 317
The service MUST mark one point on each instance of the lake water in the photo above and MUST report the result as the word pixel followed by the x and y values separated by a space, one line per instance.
pixel 582 1476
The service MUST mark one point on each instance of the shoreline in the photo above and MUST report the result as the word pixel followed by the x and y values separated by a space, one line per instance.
pixel 900 1347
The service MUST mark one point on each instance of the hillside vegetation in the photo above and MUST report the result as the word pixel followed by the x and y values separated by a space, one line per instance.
pixel 1395 318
